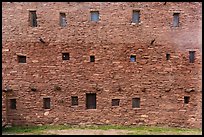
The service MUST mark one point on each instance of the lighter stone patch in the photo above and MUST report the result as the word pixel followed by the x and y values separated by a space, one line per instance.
pixel 46 113
pixel 107 121
pixel 27 117
pixel 144 116
pixel 56 120
pixel 34 61
pixel 191 119
pixel 5 50
pixel 13 71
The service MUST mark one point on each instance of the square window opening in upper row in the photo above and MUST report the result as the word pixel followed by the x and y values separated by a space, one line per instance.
pixel 95 17
pixel 66 56
pixel 90 102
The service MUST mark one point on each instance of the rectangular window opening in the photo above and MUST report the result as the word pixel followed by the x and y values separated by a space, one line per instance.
pixel 115 102
pixel 13 103
pixel 65 56
pixel 136 16
pixel 136 103
pixel 90 100
pixel 92 58
pixel 74 100
pixel 167 56
pixel 191 56
pixel 176 19
pixel 33 18
pixel 63 21
pixel 46 103
pixel 186 99
pixel 133 58
pixel 21 59
pixel 95 16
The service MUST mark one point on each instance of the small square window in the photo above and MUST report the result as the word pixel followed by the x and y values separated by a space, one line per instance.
pixel 74 100
pixel 92 58
pixel 94 16
pixel 46 103
pixel 133 58
pixel 65 56
pixel 13 103
pixel 136 16
pixel 63 21
pixel 115 102
pixel 21 59
pixel 191 56
pixel 186 99
pixel 176 19
pixel 167 56
pixel 136 103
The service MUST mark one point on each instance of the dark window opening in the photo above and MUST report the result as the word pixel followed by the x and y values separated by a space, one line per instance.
pixel 167 56
pixel 132 58
pixel 33 18
pixel 186 99
pixel 13 103
pixel 74 100
pixel 115 102
pixel 136 103
pixel 21 59
pixel 136 16
pixel 176 19
pixel 94 16
pixel 191 56
pixel 63 21
pixel 65 56
pixel 91 100
pixel 46 103
pixel 92 58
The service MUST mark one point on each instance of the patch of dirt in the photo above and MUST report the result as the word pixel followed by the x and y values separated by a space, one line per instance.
pixel 87 132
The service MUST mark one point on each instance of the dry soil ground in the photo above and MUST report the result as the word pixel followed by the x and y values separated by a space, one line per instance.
pixel 79 132
pixel 88 132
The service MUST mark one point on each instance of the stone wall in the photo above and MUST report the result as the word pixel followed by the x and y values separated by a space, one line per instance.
pixel 159 83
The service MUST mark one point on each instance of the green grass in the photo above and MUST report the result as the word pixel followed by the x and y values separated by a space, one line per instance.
pixel 150 130
pixel 33 129
pixel 105 127
pixel 133 130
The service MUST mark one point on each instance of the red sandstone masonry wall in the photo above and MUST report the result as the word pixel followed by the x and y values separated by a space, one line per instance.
pixel 112 40
pixel 4 120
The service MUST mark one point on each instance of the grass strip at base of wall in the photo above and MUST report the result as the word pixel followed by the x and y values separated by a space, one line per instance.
pixel 135 130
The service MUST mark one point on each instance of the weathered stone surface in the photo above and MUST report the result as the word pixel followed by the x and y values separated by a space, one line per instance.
pixel 46 113
pixel 159 83
pixel 190 90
